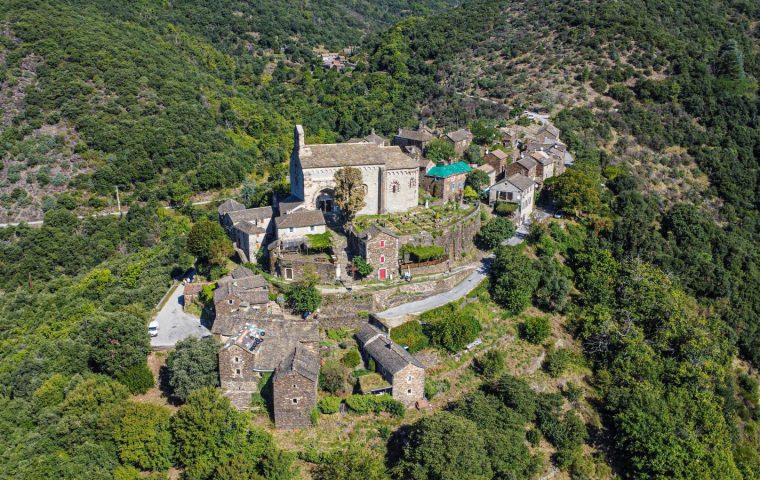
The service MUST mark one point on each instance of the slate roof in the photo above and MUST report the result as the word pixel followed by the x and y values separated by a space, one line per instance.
pixel 449 170
pixel 249 214
pixel 376 139
pixel 416 135
pixel 249 228
pixel 300 361
pixel 300 218
pixel 280 338
pixel 500 154
pixel 374 230
pixel 527 162
pixel 246 288
pixel 288 204
pixel 459 135
pixel 550 129
pixel 385 352
pixel 354 154
pixel 541 157
pixel 486 167
pixel 229 206
pixel 520 181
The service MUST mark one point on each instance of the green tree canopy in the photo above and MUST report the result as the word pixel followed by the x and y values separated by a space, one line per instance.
pixel 117 342
pixel 349 191
pixel 514 278
pixel 439 150
pixel 208 241
pixel 193 364
pixel 142 436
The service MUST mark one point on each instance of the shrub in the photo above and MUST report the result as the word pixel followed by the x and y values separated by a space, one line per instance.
pixel 453 333
pixel 556 361
pixel 369 403
pixel 494 232
pixel 517 395
pixel 314 416
pixel 533 436
pixel 572 392
pixel 434 387
pixel 192 365
pixel 536 329
pixel 422 253
pixel 304 298
pixel 411 335
pixel 331 377
pixel 362 267
pixel 489 365
pixel 351 359
pixel 505 209
pixel 138 379
pixel 329 405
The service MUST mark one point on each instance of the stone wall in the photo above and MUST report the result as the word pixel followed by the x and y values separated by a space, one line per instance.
pixel 425 269
pixel 294 397
pixel 409 292
pixel 409 385
pixel 455 239
pixel 342 310
pixel 238 380
pixel 298 264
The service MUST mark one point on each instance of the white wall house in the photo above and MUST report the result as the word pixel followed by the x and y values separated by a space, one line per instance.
pixel 298 224
pixel 517 189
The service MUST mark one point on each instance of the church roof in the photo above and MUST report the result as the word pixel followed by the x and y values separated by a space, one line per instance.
pixel 354 155
pixel 449 170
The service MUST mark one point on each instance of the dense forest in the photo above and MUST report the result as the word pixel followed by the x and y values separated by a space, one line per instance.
pixel 657 99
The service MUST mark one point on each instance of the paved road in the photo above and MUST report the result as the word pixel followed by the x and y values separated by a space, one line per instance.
pixel 174 324
pixel 397 314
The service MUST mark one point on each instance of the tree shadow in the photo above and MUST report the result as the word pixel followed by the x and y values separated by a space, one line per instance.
pixel 396 444
pixel 165 388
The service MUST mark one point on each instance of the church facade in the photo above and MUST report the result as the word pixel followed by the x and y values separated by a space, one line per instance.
pixel 390 176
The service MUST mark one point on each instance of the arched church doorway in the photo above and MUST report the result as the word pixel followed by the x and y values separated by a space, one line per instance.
pixel 326 200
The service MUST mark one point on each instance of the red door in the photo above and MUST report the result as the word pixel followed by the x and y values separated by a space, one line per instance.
pixel 381 273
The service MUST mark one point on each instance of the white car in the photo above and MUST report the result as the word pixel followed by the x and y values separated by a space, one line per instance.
pixel 153 328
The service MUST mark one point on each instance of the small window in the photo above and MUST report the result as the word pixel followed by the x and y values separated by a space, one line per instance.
pixel 294 386
pixel 290 230
pixel 382 258
pixel 237 359
pixel 409 379
pixel 229 301
pixel 312 228
pixel 409 391
pixel 237 371
pixel 382 243
pixel 295 401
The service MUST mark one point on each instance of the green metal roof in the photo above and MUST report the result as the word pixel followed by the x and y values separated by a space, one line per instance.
pixel 449 170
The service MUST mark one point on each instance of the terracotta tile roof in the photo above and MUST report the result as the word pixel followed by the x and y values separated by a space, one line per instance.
pixel 300 218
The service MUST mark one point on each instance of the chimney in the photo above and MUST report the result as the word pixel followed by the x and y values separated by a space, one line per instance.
pixel 299 141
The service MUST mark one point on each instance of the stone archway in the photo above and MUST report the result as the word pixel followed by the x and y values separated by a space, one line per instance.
pixel 325 200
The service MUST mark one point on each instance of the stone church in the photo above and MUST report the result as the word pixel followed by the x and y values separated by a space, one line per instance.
pixel 390 176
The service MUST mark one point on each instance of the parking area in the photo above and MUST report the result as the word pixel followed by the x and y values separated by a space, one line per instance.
pixel 174 324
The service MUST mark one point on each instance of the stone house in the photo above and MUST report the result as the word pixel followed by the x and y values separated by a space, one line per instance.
pixel 413 138
pixel 294 389
pixel 250 229
pixel 229 206
pixel 257 348
pixel 547 134
pixel 190 292
pixel 379 247
pixel 299 223
pixel 525 166
pixel 404 373
pixel 508 136
pixel 290 259
pixel 544 167
pixel 460 139
pixel 390 177
pixel 488 170
pixel 498 160
pixel 447 181
pixel 518 189
pixel 242 289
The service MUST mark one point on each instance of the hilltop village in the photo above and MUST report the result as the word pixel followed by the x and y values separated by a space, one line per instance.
pixel 418 218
